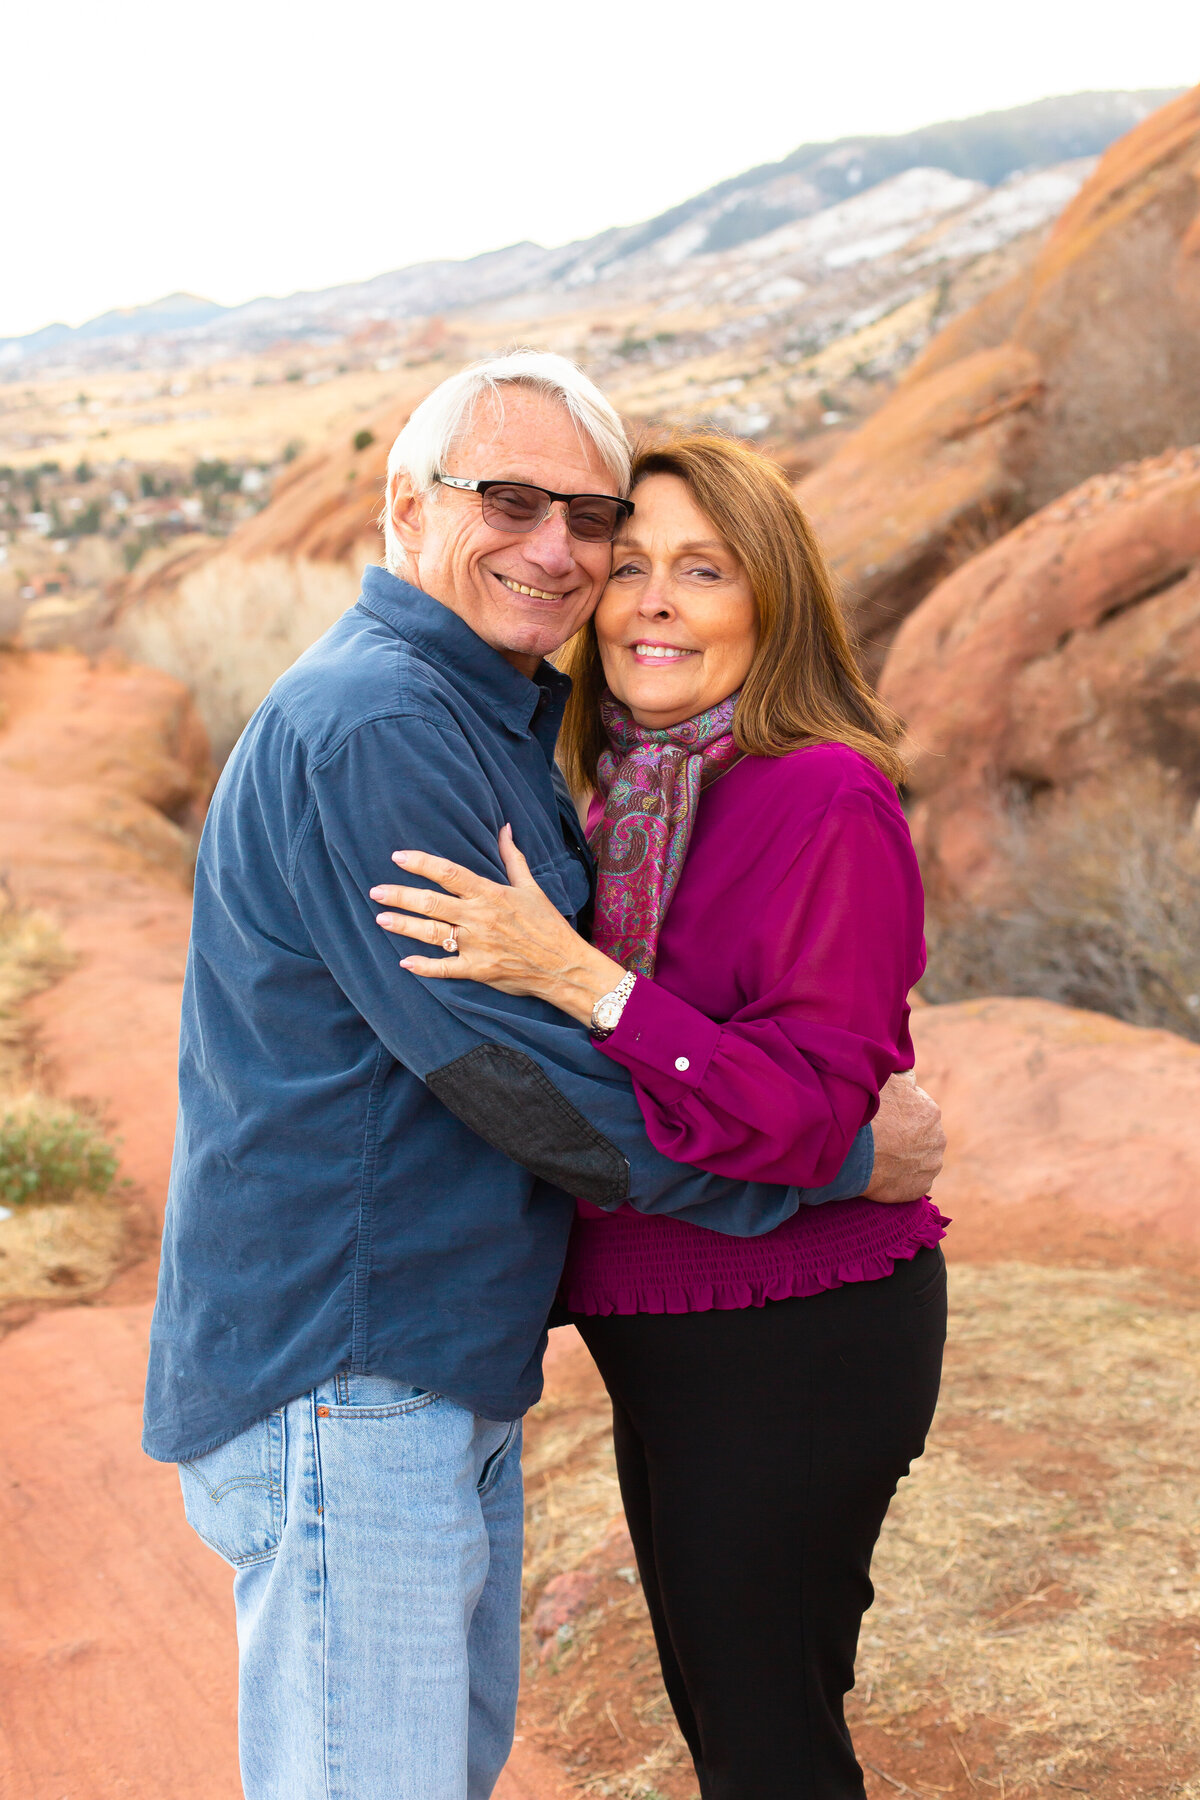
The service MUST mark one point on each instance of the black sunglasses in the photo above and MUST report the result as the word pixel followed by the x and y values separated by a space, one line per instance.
pixel 516 506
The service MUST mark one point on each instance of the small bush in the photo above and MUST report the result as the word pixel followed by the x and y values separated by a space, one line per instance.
pixel 1099 907
pixel 52 1153
pixel 363 439
pixel 215 472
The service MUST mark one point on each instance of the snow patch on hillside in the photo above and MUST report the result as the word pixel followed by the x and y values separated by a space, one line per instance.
pixel 1022 203
pixel 871 224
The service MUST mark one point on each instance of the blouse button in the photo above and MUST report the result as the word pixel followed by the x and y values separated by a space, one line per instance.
pixel 682 1063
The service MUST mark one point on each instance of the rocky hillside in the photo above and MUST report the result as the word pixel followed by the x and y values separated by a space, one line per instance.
pixel 1089 358
pixel 1088 355
pixel 1065 658
pixel 686 249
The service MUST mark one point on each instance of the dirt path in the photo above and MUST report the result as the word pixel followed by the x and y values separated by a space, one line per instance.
pixel 118 1666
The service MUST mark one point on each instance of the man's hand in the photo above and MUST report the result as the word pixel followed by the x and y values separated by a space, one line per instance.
pixel 909 1142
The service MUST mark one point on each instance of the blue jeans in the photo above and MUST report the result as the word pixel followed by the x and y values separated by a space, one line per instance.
pixel 375 1531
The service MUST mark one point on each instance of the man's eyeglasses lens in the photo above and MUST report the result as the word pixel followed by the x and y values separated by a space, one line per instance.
pixel 514 507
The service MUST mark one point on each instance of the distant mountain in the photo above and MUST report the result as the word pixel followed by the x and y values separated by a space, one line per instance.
pixel 174 312
pixel 742 211
pixel 987 149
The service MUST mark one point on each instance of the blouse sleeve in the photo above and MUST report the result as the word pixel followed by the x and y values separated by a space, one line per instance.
pixel 778 1091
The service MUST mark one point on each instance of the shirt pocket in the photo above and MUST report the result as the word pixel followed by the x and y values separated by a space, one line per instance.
pixel 233 1497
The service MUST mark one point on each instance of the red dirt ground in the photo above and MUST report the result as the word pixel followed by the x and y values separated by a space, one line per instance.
pixel 118 1665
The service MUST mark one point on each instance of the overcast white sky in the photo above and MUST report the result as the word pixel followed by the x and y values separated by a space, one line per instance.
pixel 246 146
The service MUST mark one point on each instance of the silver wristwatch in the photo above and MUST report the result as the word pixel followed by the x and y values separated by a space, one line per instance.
pixel 606 1014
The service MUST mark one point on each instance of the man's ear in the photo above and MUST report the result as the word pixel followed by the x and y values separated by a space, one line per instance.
pixel 408 514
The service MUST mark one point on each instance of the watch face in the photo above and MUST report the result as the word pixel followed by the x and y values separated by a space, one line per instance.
pixel 607 1014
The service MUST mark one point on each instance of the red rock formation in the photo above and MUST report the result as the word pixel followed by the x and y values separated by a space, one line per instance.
pixel 938 459
pixel 1072 1136
pixel 1067 653
pixel 567 1596
pixel 1093 358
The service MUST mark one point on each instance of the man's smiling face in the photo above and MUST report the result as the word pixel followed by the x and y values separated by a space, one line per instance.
pixel 523 593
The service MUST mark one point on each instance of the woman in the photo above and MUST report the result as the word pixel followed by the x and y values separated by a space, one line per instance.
pixel 758 928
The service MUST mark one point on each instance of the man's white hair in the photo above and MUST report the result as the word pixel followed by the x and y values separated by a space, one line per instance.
pixel 423 447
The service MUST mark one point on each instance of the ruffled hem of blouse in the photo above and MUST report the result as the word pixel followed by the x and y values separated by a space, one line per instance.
pixel 734 1295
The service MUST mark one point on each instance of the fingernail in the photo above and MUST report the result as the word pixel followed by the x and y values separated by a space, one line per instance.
pixel 406 962
pixel 375 894
pixel 383 918
pixel 403 857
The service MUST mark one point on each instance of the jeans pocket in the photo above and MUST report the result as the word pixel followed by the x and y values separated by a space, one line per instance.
pixel 490 1473
pixel 233 1497
pixel 351 1396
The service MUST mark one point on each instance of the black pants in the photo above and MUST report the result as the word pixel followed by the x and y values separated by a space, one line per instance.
pixel 758 1451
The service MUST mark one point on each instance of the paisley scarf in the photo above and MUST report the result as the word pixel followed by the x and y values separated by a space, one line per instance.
pixel 650 782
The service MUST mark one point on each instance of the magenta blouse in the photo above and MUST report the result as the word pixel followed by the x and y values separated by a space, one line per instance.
pixel 777 1011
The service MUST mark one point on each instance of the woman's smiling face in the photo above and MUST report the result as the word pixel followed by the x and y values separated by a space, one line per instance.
pixel 677 625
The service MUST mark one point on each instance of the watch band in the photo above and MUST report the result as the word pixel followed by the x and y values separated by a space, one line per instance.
pixel 606 1014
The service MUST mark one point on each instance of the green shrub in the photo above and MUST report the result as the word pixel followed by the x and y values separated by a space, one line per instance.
pixel 363 439
pixel 52 1153
pixel 215 472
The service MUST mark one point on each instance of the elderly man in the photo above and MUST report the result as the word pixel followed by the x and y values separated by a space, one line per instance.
pixel 369 1202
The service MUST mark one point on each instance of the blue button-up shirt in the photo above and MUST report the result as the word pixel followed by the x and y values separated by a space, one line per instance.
pixel 372 1171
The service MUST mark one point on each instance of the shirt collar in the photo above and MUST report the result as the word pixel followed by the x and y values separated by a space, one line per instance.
pixel 530 707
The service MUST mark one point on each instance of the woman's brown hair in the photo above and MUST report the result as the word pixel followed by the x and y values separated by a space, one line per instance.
pixel 804 685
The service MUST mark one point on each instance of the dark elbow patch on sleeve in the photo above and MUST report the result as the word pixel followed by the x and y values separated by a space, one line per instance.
pixel 506 1099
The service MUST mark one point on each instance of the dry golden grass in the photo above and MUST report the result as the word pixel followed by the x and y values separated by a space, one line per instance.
pixel 32 955
pixel 1098 907
pixel 1037 1620
pixel 243 409
pixel 66 1250
pixel 1042 1557
pixel 571 1483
